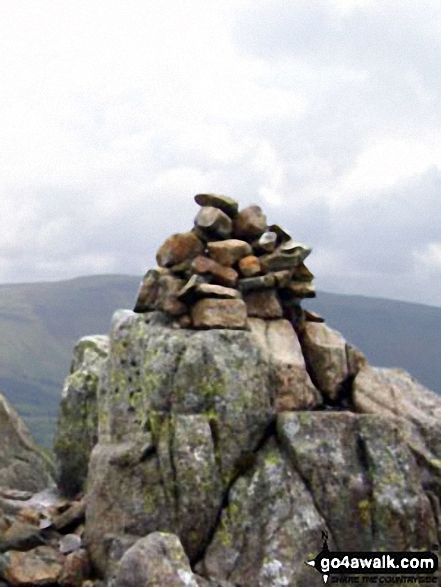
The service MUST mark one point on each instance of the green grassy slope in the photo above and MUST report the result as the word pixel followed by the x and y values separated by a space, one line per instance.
pixel 41 322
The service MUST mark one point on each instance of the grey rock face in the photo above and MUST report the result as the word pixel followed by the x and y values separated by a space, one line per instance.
pixel 269 529
pixel 364 478
pixel 157 560
pixel 77 426
pixel 22 466
pixel 221 439
pixel 350 475
pixel 170 398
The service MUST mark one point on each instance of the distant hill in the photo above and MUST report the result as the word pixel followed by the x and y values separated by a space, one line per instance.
pixel 41 322
pixel 39 325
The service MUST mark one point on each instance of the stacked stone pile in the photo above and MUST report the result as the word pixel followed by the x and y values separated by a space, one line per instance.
pixel 229 267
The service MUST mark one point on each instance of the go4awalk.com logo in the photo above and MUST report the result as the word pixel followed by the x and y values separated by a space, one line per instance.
pixel 399 568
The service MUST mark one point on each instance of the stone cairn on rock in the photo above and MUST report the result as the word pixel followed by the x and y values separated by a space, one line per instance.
pixel 230 266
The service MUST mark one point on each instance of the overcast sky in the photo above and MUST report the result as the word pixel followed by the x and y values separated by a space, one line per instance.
pixel 327 113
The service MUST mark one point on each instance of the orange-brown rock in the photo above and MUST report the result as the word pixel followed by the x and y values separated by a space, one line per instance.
pixel 214 222
pixel 226 276
pixel 177 248
pixel 263 304
pixel 40 566
pixel 76 569
pixel 185 321
pixel 229 251
pixel 249 266
pixel 216 313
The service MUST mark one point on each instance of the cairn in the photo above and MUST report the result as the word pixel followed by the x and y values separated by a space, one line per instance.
pixel 230 266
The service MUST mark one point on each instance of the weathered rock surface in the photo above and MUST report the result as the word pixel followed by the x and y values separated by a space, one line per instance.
pixel 222 275
pixel 229 251
pixel 234 445
pixel 364 478
pixel 158 560
pixel 292 385
pixel 77 426
pixel 22 465
pixel 224 203
pixel 393 393
pixel 178 248
pixel 40 566
pixel 249 266
pixel 205 395
pixel 219 313
pixel 326 355
pixel 205 435
pixel 268 530
pixel 214 222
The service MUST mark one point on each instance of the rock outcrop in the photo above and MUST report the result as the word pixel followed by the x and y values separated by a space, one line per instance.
pixel 22 465
pixel 221 429
pixel 77 426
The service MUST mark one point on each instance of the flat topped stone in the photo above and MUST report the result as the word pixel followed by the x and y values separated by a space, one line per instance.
pixel 280 260
pixel 212 290
pixel 218 313
pixel 258 282
pixel 224 203
pixel 249 266
pixel 250 223
pixel 214 222
pixel 178 248
pixel 229 251
pixel 298 289
pixel 226 276
pixel 292 247
pixel 196 289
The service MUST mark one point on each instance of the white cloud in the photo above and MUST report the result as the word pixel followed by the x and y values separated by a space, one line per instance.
pixel 113 114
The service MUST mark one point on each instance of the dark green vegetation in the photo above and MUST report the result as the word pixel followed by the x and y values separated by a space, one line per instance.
pixel 41 322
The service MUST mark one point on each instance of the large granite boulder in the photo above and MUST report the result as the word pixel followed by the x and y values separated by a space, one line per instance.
pixel 351 476
pixel 180 413
pixel 77 426
pixel 22 464
pixel 221 439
